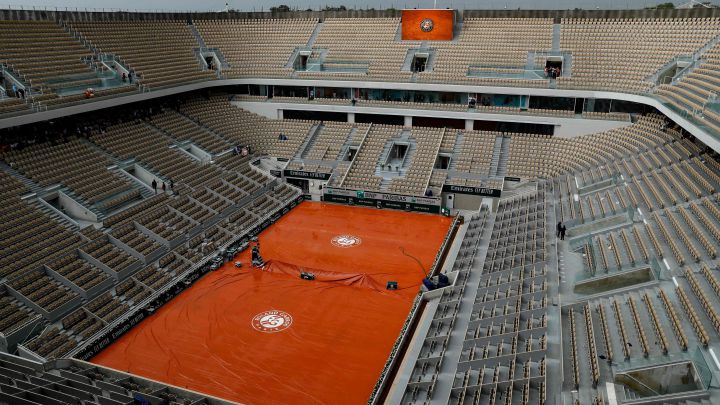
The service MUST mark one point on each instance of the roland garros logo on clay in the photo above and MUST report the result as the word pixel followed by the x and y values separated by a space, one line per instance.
pixel 272 321
pixel 346 241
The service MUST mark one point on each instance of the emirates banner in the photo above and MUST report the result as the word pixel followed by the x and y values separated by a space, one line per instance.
pixel 428 25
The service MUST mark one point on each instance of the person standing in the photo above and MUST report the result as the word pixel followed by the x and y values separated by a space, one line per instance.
pixel 154 186
pixel 557 229
pixel 163 187
pixel 562 232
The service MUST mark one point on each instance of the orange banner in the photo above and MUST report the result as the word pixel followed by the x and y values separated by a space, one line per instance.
pixel 428 25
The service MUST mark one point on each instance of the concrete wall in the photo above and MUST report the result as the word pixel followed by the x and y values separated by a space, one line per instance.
pixel 565 127
pixel 467 202
pixel 75 209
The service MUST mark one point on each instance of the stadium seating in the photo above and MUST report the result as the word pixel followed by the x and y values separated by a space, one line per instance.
pixel 624 64
pixel 493 43
pixel 159 52
pixel 83 171
pixel 256 48
pixel 44 55
pixel 640 198
pixel 371 42
pixel 73 380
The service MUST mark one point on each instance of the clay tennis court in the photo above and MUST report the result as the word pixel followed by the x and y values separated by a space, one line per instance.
pixel 272 338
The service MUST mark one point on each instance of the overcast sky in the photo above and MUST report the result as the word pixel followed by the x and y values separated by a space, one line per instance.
pixel 249 5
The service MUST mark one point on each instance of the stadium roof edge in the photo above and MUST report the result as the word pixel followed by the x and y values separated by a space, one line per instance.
pixel 121 15
pixel 709 139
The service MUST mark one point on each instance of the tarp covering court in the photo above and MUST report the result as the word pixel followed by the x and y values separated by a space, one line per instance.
pixel 329 343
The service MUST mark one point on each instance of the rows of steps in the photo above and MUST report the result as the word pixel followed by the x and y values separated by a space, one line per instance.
pixel 198 37
pixel 385 183
pixel 314 35
pixel 55 216
pixel 348 142
pixel 496 156
pixel 556 37
pixel 504 154
pixel 35 188
pixel 203 127
pixel 457 150
pixel 309 141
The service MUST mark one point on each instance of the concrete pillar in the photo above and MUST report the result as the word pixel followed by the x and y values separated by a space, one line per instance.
pixel 351 118
pixel 408 121
pixel 469 124
pixel 280 113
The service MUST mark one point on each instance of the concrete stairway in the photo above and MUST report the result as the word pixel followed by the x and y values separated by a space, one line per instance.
pixel 504 154
pixel 556 37
pixel 35 188
pixel 498 164
pixel 348 142
pixel 314 35
pixel 203 127
pixel 198 37
pixel 495 161
pixel 457 150
pixel 309 141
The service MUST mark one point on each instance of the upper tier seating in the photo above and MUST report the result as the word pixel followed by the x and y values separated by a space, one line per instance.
pixel 492 43
pixel 697 88
pixel 619 54
pixel 45 55
pixel 159 52
pixel 256 48
pixel 371 40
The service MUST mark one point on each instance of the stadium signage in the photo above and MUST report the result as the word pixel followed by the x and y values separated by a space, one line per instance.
pixel 306 175
pixel 368 195
pixel 111 336
pixel 383 200
pixel 508 178
pixel 481 191
pixel 276 173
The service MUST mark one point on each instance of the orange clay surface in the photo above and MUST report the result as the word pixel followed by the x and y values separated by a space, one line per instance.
pixel 343 326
